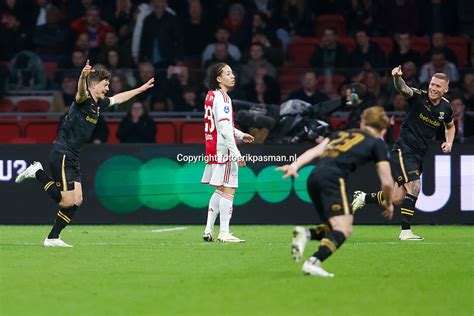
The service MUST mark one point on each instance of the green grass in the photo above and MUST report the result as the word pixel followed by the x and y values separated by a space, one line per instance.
pixel 130 270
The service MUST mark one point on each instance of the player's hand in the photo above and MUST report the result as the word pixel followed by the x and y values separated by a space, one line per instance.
pixel 446 147
pixel 149 84
pixel 241 162
pixel 397 71
pixel 87 70
pixel 289 171
pixel 388 212
pixel 247 138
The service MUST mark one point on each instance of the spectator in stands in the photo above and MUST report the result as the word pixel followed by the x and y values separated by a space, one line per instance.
pixel 63 98
pixel 221 55
pixel 374 85
pixel 401 16
pixel 438 63
pixel 295 21
pixel 367 55
pixel 256 59
pixel 238 25
pixel 114 64
pixel 82 42
pixel 190 101
pixel 112 42
pixel 260 24
pixel 438 42
pixel 118 84
pixel 399 104
pixel 463 121
pixel 14 36
pixel 264 90
pixel 145 71
pixel 267 8
pixel 92 23
pixel 27 72
pixel 440 16
pixel 137 126
pixel 177 79
pixel 161 40
pixel 309 92
pixel 410 74
pixel 468 91
pixel 195 30
pixel 222 35
pixel 20 9
pixel 50 37
pixel 365 15
pixel 329 54
pixel 271 50
pixel 77 9
pixel 402 51
pixel 42 10
pixel 357 100
pixel 123 15
pixel 74 66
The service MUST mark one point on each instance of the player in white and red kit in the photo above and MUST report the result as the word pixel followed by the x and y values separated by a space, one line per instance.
pixel 222 155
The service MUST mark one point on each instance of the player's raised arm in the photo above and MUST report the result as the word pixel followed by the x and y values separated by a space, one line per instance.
pixel 81 94
pixel 127 95
pixel 400 84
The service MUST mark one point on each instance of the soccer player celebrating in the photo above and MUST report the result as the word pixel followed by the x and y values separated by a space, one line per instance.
pixel 223 158
pixel 339 155
pixel 75 129
pixel 426 112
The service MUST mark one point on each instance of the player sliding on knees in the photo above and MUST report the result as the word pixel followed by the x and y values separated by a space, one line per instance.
pixel 65 185
pixel 339 155
pixel 426 112
pixel 223 158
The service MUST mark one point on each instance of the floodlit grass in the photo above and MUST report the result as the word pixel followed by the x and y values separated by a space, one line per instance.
pixel 145 270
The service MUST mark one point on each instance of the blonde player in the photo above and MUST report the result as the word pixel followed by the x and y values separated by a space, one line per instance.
pixel 223 156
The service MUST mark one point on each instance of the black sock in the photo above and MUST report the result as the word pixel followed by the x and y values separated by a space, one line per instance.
pixel 408 210
pixel 329 245
pixel 48 185
pixel 320 232
pixel 374 198
pixel 63 218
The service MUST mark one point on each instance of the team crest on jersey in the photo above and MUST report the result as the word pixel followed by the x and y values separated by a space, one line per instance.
pixel 226 109
pixel 336 207
pixel 441 116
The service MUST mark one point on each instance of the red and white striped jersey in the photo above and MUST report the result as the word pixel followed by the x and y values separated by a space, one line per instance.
pixel 217 108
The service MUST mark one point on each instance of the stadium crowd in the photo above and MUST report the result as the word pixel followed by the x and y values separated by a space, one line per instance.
pixel 290 49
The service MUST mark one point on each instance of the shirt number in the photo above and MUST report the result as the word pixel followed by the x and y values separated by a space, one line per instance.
pixel 209 125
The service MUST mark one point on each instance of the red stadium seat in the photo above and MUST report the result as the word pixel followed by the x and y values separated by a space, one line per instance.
pixel 6 105
pixel 348 42
pixel 22 140
pixel 385 43
pixel 458 45
pixel 336 22
pixel 165 133
pixel 42 132
pixel 300 51
pixel 32 105
pixel 290 79
pixel 8 131
pixel 420 44
pixel 338 123
pixel 192 133
pixel 113 128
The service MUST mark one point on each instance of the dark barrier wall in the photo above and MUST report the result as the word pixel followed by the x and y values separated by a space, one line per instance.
pixel 145 184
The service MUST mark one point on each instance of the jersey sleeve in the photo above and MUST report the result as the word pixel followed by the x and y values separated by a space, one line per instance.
pixel 448 116
pixel 222 109
pixel 105 102
pixel 380 151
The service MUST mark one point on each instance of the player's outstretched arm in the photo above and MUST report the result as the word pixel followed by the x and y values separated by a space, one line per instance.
pixel 246 138
pixel 385 175
pixel 81 94
pixel 400 84
pixel 127 95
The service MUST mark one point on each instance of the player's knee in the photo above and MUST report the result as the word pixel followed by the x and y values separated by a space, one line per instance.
pixel 66 203
pixel 398 200
pixel 78 201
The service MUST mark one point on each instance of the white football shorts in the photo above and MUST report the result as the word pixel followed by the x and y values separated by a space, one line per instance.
pixel 225 174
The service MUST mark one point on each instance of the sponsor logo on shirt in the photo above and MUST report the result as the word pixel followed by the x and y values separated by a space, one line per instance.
pixel 226 109
pixel 91 119
pixel 429 121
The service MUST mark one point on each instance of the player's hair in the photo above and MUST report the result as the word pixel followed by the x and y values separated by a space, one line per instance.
pixel 375 117
pixel 98 75
pixel 442 76
pixel 216 71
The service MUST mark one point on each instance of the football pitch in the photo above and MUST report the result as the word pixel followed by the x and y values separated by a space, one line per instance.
pixel 169 270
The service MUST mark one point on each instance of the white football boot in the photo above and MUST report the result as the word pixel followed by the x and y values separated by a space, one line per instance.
pixel 407 234
pixel 30 172
pixel 359 201
pixel 228 237
pixel 55 242
pixel 301 238
pixel 312 266
pixel 207 236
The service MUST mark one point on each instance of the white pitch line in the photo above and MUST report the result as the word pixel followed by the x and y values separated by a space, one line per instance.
pixel 164 230
pixel 408 242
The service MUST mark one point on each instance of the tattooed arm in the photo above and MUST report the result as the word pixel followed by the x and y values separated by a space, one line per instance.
pixel 400 84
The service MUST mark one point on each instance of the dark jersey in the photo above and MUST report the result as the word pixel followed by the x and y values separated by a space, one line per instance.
pixel 349 149
pixel 77 125
pixel 422 120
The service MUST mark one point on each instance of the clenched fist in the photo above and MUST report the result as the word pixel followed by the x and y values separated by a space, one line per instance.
pixel 397 71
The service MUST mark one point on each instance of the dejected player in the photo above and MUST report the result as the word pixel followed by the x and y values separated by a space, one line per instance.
pixel 339 155
pixel 65 185
pixel 426 112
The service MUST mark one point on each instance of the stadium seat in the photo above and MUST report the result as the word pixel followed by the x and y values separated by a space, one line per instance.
pixel 32 105
pixel 348 42
pixel 165 133
pixel 385 43
pixel 6 105
pixel 420 44
pixel 42 132
pixel 338 123
pixel 192 133
pixel 336 22
pixel 458 45
pixel 8 131
pixel 22 140
pixel 290 80
pixel 50 67
pixel 300 51
pixel 113 128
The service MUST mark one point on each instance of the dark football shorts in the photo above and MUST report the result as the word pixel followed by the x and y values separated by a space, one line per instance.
pixel 406 165
pixel 65 170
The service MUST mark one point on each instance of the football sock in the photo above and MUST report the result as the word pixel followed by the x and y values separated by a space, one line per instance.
pixel 329 245
pixel 374 198
pixel 408 210
pixel 48 185
pixel 213 210
pixel 63 218
pixel 225 211
pixel 319 232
